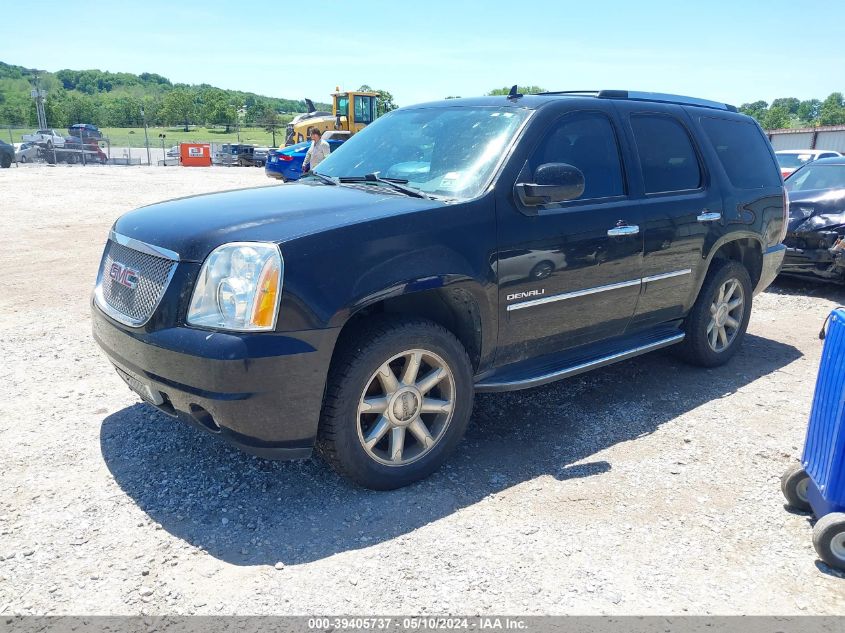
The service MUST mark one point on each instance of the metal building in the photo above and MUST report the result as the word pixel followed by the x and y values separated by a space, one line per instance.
pixel 830 137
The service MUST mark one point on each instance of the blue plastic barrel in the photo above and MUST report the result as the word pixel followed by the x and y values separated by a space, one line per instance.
pixel 824 447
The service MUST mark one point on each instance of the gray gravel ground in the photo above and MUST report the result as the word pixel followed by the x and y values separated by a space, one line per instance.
pixel 649 487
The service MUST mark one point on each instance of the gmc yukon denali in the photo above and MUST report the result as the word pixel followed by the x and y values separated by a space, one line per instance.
pixel 462 246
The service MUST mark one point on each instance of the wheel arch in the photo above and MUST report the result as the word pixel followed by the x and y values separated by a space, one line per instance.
pixel 745 248
pixel 458 304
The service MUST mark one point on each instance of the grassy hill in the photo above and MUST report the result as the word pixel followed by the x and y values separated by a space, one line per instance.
pixel 115 100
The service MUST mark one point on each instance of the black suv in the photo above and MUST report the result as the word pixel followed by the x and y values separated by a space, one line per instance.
pixel 449 248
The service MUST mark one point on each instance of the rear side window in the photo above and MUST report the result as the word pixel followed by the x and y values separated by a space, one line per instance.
pixel 743 152
pixel 667 157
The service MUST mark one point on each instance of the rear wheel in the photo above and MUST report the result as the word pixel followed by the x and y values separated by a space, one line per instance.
pixel 829 539
pixel 398 402
pixel 719 318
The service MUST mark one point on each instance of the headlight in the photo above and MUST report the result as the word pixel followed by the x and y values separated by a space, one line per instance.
pixel 238 288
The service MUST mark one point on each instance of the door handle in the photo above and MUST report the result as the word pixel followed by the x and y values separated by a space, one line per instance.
pixel 621 231
pixel 710 216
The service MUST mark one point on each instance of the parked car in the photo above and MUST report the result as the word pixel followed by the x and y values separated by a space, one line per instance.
pixel 791 159
pixel 815 239
pixel 231 153
pixel 173 152
pixel 48 137
pixel 7 155
pixel 26 152
pixel 85 130
pixel 359 310
pixel 286 164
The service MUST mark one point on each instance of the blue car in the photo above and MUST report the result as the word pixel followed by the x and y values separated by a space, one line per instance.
pixel 286 163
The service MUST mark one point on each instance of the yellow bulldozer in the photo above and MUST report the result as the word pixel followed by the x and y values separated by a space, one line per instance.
pixel 351 112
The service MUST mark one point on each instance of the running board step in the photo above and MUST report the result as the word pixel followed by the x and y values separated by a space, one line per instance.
pixel 551 367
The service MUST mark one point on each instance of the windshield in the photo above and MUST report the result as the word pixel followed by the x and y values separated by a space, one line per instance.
pixel 443 151
pixel 817 177
pixel 793 161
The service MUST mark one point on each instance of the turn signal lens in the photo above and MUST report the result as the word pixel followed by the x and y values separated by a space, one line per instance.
pixel 267 296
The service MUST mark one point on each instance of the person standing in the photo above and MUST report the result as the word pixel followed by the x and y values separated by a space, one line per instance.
pixel 317 152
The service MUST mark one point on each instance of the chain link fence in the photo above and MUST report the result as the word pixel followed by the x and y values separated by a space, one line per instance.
pixel 121 147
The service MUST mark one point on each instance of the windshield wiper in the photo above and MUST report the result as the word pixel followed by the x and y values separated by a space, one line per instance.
pixel 397 183
pixel 322 178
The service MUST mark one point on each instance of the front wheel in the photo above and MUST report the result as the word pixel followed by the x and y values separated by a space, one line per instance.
pixel 5 162
pixel 398 402
pixel 794 484
pixel 719 318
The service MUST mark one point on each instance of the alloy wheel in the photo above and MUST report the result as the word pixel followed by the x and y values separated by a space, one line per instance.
pixel 406 407
pixel 726 314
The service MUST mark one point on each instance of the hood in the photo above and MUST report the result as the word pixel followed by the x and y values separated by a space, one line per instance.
pixel 818 209
pixel 196 225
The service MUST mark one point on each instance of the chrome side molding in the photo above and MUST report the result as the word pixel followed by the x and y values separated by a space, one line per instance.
pixel 589 291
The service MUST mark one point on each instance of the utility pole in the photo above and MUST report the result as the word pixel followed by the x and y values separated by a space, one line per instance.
pixel 39 95
pixel 146 137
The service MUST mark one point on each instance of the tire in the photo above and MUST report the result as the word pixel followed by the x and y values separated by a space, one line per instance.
pixel 70 159
pixel 5 162
pixel 793 484
pixel 698 347
pixel 23 160
pixel 368 370
pixel 829 539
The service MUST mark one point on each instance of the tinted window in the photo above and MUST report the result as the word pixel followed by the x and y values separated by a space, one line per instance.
pixel 667 157
pixel 743 152
pixel 587 141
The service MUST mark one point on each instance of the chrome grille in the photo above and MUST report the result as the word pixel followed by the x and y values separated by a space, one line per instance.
pixel 133 306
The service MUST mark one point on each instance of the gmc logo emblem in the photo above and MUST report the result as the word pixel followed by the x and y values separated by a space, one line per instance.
pixel 123 275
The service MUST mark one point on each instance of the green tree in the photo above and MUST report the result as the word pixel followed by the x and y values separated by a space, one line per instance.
pixel 270 121
pixel 832 110
pixel 384 101
pixel 776 118
pixel 178 107
pixel 791 104
pixel 757 109
pixel 808 111
pixel 526 90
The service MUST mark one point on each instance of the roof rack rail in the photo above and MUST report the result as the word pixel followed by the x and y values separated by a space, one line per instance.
pixel 664 98
pixel 591 93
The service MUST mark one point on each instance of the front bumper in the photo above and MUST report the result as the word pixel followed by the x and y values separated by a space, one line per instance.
pixel 261 392
pixel 772 262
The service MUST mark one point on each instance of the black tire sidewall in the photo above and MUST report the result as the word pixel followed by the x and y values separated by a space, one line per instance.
pixel 823 533
pixel 368 355
pixel 789 486
pixel 696 347
pixel 5 162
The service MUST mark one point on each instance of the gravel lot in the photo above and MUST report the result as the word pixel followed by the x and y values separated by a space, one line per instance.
pixel 648 487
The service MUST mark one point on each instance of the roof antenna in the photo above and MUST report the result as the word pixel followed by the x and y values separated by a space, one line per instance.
pixel 514 93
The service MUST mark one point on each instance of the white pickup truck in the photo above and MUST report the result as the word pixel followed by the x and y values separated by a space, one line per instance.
pixel 50 138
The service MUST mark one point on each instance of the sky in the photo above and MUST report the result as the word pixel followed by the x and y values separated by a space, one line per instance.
pixel 731 51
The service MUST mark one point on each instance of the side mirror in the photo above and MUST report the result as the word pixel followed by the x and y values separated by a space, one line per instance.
pixel 553 182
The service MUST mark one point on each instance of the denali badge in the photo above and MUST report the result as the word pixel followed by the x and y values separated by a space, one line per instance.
pixel 123 275
pixel 525 295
